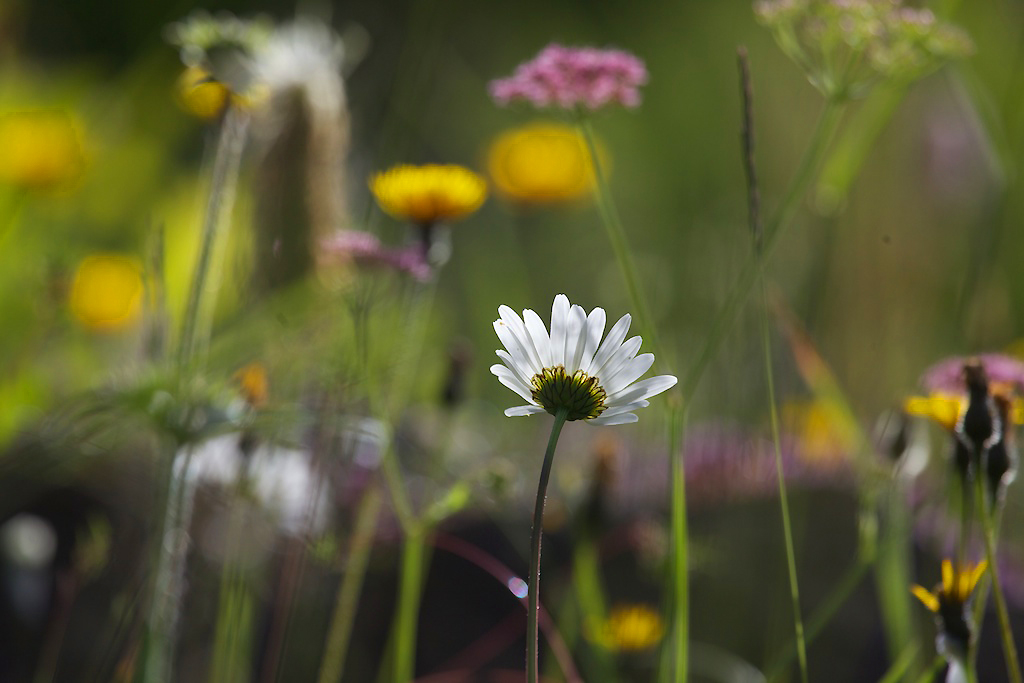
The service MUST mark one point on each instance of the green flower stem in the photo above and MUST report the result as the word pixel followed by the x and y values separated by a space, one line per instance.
pixel 226 163
pixel 822 615
pixel 928 675
pixel 969 670
pixel 410 586
pixel 794 586
pixel 892 570
pixel 340 631
pixel 827 125
pixel 680 544
pixel 899 667
pixel 617 236
pixel 593 610
pixel 533 586
pixel 1009 648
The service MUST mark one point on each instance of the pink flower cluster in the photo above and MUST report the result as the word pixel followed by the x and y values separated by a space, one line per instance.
pixel 362 248
pixel 948 375
pixel 571 77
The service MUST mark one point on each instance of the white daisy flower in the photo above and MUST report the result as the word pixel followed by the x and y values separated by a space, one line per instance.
pixel 572 369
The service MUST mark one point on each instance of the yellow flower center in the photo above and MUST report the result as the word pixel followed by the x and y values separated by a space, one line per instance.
pixel 579 393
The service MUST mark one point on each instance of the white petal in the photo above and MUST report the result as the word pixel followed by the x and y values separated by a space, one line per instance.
pixel 575 338
pixel 622 419
pixel 511 365
pixel 595 330
pixel 539 335
pixel 520 411
pixel 623 355
pixel 509 379
pixel 515 323
pixel 515 348
pixel 559 323
pixel 630 372
pixel 625 408
pixel 642 389
pixel 610 344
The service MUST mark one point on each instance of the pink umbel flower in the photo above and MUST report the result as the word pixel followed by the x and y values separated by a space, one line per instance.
pixel 572 77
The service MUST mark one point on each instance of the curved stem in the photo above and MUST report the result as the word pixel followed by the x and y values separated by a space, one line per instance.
pixel 533 586
pixel 794 586
pixel 1009 649
pixel 822 615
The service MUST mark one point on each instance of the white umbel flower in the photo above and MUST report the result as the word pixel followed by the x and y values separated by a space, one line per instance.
pixel 572 369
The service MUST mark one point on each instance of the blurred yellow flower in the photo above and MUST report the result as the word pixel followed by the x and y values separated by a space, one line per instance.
pixel 428 194
pixel 629 628
pixel 824 431
pixel 956 587
pixel 40 150
pixel 945 407
pixel 942 407
pixel 106 293
pixel 200 95
pixel 541 163
pixel 252 380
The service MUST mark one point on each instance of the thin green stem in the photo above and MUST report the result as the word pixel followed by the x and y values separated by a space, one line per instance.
pixel 1009 648
pixel 340 631
pixel 794 587
pixel 410 586
pixel 533 586
pixel 823 132
pixel 928 675
pixel 970 672
pixel 680 543
pixel 586 579
pixel 222 194
pixel 901 665
pixel 617 236
pixel 234 611
pixel 822 615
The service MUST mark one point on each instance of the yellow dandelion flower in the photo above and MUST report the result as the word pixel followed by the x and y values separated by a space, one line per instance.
pixel 429 194
pixel 200 95
pixel 942 407
pixel 40 150
pixel 955 589
pixel 106 293
pixel 629 628
pixel 950 602
pixel 541 163
pixel 945 408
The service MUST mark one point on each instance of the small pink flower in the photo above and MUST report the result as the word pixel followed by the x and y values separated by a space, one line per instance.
pixel 570 77
pixel 362 248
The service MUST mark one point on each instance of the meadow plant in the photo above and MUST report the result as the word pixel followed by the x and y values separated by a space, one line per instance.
pixel 846 47
pixel 573 372
pixel 373 438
